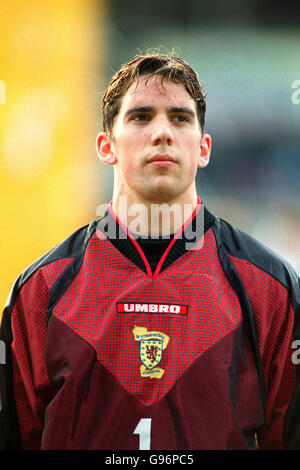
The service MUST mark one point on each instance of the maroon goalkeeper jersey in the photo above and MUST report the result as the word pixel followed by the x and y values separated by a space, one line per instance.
pixel 105 350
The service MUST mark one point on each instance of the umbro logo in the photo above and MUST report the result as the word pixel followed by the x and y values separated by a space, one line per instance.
pixel 151 308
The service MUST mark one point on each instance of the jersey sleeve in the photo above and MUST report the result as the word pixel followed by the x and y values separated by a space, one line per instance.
pixel 291 425
pixel 276 310
pixel 280 376
pixel 25 387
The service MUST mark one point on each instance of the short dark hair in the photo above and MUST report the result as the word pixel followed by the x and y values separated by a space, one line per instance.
pixel 153 64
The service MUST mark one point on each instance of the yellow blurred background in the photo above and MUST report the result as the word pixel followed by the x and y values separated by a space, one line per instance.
pixel 51 58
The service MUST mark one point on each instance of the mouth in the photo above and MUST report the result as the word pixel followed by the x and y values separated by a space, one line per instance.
pixel 162 160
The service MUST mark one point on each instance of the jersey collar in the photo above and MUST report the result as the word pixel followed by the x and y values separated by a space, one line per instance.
pixel 189 237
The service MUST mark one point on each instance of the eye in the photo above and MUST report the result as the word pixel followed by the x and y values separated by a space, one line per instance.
pixel 180 118
pixel 140 117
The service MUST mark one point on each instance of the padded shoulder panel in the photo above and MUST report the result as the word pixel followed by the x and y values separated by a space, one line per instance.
pixel 243 246
pixel 69 248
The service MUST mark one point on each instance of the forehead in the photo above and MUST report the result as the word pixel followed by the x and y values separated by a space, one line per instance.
pixel 150 91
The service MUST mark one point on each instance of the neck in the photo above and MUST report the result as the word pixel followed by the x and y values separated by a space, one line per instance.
pixel 154 218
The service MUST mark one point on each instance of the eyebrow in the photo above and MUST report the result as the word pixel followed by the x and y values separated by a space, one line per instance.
pixel 150 109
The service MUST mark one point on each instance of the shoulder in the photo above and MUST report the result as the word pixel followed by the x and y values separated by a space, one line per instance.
pixel 249 253
pixel 44 271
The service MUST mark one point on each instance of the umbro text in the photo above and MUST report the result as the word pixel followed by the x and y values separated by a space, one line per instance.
pixel 151 308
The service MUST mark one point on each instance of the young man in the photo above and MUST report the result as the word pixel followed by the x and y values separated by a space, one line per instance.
pixel 153 329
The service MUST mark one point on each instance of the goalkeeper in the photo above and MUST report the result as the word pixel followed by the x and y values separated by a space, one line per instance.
pixel 176 332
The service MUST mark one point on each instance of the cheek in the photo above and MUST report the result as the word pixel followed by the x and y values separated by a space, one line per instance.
pixel 192 160
pixel 192 171
pixel 124 150
pixel 126 161
pixel 127 168
pixel 129 150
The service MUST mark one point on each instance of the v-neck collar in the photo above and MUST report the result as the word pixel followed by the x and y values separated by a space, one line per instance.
pixel 188 237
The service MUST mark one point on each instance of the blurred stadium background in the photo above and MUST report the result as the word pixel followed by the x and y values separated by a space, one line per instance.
pixel 56 58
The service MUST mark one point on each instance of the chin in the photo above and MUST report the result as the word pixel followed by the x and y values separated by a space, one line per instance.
pixel 161 194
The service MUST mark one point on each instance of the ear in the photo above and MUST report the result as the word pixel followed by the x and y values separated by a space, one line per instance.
pixel 105 149
pixel 205 150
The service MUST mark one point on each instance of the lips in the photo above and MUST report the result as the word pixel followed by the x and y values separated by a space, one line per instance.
pixel 162 159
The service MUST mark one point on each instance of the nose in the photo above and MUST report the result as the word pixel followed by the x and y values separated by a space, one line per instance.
pixel 162 132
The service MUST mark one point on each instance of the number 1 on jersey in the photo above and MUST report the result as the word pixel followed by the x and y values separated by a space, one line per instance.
pixel 144 430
